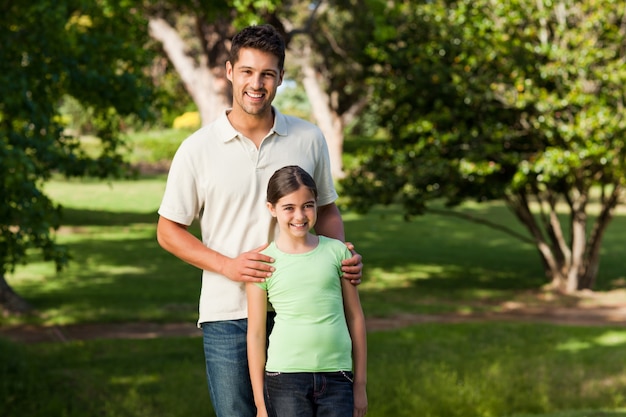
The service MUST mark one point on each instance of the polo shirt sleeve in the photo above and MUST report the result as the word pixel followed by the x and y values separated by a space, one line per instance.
pixel 326 193
pixel 181 202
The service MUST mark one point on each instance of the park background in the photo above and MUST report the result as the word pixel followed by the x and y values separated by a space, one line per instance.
pixel 427 108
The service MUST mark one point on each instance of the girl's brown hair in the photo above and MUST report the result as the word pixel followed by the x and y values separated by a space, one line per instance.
pixel 287 180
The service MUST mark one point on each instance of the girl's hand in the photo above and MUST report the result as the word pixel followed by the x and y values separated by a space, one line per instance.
pixel 360 402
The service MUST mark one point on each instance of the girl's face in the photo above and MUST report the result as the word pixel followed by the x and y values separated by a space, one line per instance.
pixel 295 213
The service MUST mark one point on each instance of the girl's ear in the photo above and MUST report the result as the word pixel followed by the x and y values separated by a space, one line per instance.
pixel 271 208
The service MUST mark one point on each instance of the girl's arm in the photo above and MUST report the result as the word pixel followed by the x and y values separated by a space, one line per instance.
pixel 257 316
pixel 356 325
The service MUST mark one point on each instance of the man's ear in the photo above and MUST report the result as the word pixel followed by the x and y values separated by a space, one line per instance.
pixel 229 71
pixel 280 77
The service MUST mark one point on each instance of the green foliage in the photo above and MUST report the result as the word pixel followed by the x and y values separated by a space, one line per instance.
pixel 91 51
pixel 504 100
pixel 337 35
pixel 154 147
pixel 292 100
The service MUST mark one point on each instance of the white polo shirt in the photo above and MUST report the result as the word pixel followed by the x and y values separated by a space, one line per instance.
pixel 221 177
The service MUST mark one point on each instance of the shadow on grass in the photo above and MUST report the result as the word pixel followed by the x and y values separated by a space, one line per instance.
pixel 117 278
pixel 466 254
pixel 431 264
pixel 457 369
pixel 454 370
pixel 75 217
pixel 588 413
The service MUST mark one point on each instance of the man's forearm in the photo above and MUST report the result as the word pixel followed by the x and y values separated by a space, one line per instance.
pixel 178 241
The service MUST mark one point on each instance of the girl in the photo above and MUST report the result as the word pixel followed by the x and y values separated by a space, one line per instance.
pixel 316 360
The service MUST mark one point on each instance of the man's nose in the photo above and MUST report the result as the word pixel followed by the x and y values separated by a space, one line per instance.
pixel 257 81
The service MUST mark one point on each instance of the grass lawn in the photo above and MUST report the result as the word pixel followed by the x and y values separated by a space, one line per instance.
pixel 433 264
pixel 451 370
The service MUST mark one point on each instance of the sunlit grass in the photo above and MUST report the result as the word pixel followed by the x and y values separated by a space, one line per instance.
pixel 433 264
pixel 436 370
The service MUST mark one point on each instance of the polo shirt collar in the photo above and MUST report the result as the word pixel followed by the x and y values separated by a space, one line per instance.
pixel 280 123
pixel 228 132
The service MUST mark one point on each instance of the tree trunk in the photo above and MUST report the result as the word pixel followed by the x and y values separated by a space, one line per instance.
pixel 602 222
pixel 570 265
pixel 10 301
pixel 208 88
pixel 579 243
pixel 328 120
pixel 557 269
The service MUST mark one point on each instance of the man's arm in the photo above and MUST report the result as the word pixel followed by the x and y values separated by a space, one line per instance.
pixel 247 267
pixel 330 224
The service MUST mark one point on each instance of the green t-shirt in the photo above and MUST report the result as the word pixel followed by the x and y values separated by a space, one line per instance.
pixel 310 332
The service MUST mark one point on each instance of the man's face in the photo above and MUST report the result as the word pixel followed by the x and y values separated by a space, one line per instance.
pixel 255 78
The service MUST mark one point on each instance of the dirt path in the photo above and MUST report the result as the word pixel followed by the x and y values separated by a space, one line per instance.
pixel 598 314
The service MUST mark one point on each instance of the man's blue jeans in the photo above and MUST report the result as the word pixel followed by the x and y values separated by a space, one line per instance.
pixel 226 358
pixel 308 394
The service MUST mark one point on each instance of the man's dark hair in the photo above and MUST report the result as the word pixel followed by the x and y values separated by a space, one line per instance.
pixel 262 37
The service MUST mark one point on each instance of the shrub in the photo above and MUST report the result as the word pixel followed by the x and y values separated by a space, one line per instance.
pixel 188 120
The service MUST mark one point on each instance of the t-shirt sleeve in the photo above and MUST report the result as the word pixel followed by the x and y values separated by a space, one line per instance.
pixel 346 252
pixel 262 285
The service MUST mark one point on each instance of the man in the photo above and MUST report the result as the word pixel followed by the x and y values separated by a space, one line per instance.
pixel 220 174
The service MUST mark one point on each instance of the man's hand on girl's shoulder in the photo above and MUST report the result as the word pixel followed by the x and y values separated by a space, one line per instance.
pixel 352 268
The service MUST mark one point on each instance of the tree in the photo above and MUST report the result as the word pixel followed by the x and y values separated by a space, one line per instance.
pixel 195 37
pixel 196 41
pixel 89 50
pixel 328 46
pixel 521 101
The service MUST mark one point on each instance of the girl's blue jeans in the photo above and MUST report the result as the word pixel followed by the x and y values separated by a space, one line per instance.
pixel 308 394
